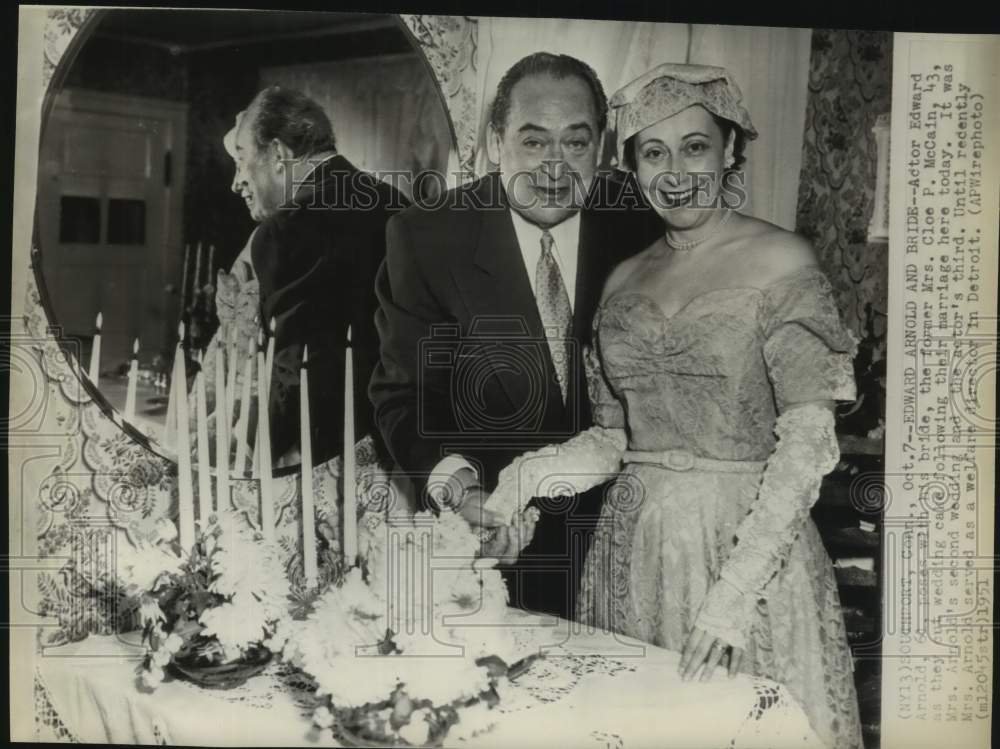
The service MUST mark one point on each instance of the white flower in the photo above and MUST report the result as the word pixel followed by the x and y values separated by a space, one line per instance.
pixel 443 680
pixel 235 627
pixel 244 565
pixel 279 636
pixel 416 731
pixel 150 612
pixel 457 586
pixel 152 677
pixel 173 643
pixel 453 537
pixel 353 680
pixel 355 594
pixel 322 717
pixel 166 530
pixel 485 639
pixel 161 657
pixel 141 566
pixel 336 644
pixel 351 614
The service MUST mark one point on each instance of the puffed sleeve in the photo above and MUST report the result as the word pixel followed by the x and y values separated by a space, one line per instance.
pixel 808 350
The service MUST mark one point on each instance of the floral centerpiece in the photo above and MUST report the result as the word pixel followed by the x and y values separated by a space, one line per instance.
pixel 411 644
pixel 214 616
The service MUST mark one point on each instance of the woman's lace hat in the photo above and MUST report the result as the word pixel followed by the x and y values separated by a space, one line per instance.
pixel 670 88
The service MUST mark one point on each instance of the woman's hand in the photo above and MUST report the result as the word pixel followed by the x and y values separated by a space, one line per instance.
pixel 502 537
pixel 505 542
pixel 704 649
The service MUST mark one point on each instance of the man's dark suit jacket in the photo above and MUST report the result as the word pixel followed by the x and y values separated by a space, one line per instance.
pixel 465 366
pixel 316 261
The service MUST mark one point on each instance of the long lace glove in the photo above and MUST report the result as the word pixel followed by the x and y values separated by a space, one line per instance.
pixel 806 451
pixel 572 467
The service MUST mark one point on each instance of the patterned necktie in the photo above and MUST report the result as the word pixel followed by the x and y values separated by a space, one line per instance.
pixel 554 308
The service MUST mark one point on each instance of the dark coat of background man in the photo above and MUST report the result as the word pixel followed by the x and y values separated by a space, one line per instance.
pixel 320 242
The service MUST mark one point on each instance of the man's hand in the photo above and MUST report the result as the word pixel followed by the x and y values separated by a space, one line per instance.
pixel 502 537
pixel 508 541
pixel 473 508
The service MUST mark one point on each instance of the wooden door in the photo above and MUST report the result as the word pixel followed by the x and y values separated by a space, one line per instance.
pixel 109 207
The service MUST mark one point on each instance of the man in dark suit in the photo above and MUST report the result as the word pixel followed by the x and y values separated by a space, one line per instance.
pixel 486 303
pixel 320 242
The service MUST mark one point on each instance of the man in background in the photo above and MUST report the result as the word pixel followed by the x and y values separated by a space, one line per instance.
pixel 315 253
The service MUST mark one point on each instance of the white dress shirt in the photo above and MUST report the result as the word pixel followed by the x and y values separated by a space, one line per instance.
pixel 566 249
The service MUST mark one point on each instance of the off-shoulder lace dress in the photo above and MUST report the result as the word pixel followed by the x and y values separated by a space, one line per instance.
pixel 708 384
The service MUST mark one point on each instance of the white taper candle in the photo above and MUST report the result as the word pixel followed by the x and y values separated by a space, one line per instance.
pixel 221 432
pixel 184 280
pixel 230 401
pixel 204 466
pixel 309 562
pixel 197 272
pixel 264 454
pixel 133 381
pixel 94 372
pixel 185 488
pixel 243 424
pixel 350 485
pixel 270 352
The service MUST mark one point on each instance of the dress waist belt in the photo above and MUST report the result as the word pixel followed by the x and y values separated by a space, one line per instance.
pixel 685 460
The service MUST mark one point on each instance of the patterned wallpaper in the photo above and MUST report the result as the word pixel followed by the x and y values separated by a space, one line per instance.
pixel 451 45
pixel 850 85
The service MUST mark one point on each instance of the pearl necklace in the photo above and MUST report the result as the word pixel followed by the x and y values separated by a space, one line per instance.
pixel 692 243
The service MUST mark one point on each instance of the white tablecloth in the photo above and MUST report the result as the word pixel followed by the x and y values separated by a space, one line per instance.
pixel 591 690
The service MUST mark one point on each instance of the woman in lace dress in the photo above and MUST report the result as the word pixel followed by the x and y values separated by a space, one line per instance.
pixel 718 357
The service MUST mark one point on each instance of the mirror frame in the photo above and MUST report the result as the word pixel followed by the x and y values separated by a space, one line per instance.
pixel 52 91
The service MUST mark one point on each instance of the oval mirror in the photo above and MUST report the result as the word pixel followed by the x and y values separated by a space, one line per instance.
pixel 145 246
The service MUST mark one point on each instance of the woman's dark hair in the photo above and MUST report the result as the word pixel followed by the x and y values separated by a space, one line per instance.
pixel 293 118
pixel 557 66
pixel 725 126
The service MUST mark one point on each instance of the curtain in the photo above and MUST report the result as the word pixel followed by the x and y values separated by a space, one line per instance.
pixel 771 66
pixel 386 111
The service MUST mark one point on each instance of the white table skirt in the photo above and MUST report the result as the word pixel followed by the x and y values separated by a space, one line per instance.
pixel 591 690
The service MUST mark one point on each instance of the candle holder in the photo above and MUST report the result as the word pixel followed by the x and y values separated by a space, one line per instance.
pixel 197 295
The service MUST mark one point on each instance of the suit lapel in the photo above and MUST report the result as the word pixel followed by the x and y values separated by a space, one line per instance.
pixel 502 284
pixel 497 293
